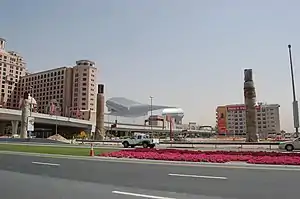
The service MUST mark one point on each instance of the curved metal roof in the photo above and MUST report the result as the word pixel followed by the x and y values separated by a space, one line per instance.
pixel 122 101
pixel 125 107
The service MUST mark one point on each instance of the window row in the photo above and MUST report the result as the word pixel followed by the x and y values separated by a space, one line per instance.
pixel 44 76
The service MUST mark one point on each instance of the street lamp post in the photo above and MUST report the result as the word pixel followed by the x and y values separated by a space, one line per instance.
pixel 56 125
pixel 56 119
pixel 295 102
pixel 151 113
pixel 31 96
pixel 30 109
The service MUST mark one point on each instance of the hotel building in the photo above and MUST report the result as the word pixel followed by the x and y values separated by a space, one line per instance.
pixel 231 119
pixel 71 89
pixel 12 68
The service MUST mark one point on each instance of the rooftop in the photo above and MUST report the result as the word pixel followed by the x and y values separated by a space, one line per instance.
pixel 125 107
pixel 123 101
pixel 43 72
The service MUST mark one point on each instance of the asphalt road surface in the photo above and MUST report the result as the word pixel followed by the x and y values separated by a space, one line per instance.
pixel 33 177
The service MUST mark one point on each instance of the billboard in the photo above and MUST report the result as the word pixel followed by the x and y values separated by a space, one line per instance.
pixel 30 123
pixel 239 108
pixel 221 119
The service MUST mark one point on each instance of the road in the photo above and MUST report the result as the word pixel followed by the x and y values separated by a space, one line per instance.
pixel 34 177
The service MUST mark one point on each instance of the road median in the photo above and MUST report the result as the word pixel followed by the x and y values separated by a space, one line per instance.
pixel 250 157
pixel 53 149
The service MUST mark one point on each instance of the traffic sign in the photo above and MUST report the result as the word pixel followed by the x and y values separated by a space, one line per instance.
pixel 30 123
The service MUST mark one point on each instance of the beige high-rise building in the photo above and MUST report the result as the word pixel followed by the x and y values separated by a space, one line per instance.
pixel 84 88
pixel 12 67
pixel 71 89
pixel 231 119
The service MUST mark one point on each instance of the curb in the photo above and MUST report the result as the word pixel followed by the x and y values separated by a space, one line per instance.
pixel 227 164
pixel 240 165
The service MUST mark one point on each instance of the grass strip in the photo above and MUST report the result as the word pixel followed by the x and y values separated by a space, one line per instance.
pixel 53 149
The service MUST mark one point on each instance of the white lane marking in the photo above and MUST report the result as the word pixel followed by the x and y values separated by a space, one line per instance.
pixel 46 163
pixel 196 176
pixel 140 195
pixel 157 162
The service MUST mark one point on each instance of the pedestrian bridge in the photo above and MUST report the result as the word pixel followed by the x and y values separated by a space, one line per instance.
pixel 15 115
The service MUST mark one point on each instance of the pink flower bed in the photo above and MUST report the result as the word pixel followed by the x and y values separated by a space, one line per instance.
pixel 261 157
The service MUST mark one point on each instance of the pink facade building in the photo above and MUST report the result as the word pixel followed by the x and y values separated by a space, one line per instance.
pixel 71 89
pixel 83 89
pixel 12 68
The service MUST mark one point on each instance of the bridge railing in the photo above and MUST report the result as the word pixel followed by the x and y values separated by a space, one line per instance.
pixel 189 144
pixel 45 116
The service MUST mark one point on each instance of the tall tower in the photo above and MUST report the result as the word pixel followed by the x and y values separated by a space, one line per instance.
pixel 250 97
pixel 84 88
pixel 100 131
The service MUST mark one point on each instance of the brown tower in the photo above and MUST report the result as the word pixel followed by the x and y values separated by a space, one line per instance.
pixel 249 94
pixel 100 131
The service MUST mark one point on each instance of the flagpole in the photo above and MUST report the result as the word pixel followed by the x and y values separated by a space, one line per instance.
pixel 56 121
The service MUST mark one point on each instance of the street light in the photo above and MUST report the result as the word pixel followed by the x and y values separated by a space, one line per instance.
pixel 30 109
pixel 151 110
pixel 56 119
pixel 31 96
pixel 295 102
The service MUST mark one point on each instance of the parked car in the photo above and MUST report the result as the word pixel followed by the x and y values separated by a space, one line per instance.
pixel 15 136
pixel 290 145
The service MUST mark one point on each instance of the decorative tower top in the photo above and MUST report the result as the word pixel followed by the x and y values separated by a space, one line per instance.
pixel 248 75
pixel 2 44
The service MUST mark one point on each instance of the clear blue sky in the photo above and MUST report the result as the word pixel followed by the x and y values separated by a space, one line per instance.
pixel 189 53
